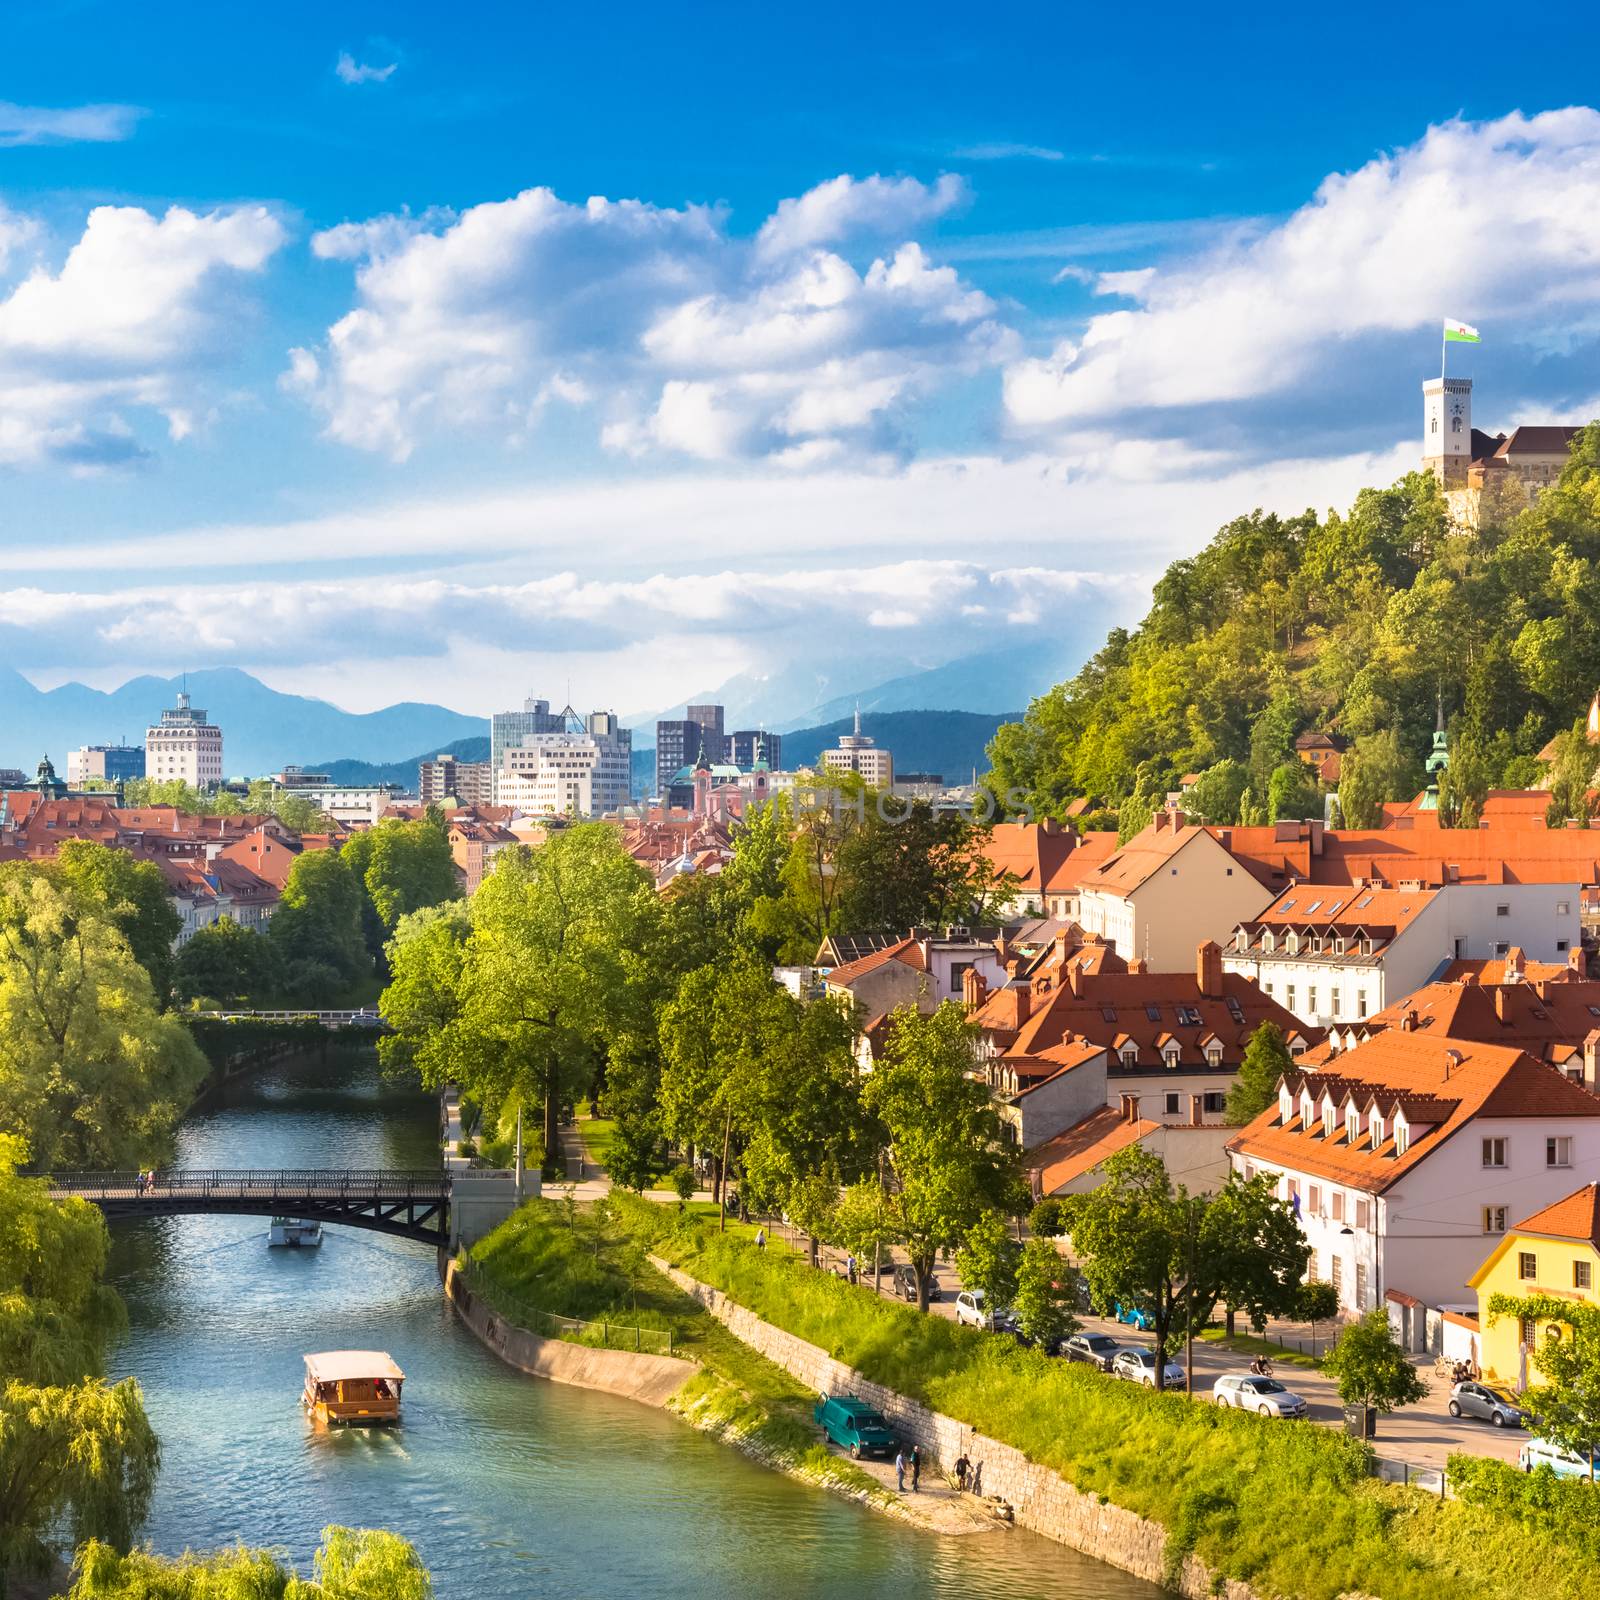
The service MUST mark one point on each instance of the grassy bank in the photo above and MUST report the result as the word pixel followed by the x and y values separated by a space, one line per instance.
pixel 1287 1507
pixel 581 1262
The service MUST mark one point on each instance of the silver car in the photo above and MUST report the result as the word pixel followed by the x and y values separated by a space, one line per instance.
pixel 1488 1404
pixel 1265 1396
pixel 1139 1365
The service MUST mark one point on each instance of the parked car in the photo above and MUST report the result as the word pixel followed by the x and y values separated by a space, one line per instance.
pixel 970 1309
pixel 1140 1318
pixel 1098 1349
pixel 1564 1463
pixel 905 1285
pixel 1140 1367
pixel 853 1425
pixel 1247 1392
pixel 1488 1404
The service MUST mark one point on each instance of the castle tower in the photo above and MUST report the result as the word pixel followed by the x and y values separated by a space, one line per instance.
pixel 1447 430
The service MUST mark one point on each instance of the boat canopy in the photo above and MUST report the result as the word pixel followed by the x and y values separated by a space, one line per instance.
pixel 342 1366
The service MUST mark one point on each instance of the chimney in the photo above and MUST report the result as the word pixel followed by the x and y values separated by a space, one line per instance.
pixel 1502 1003
pixel 974 989
pixel 1514 964
pixel 1452 1060
pixel 1159 820
pixel 1408 1023
pixel 1021 1003
pixel 1578 961
pixel 1208 969
pixel 1468 980
pixel 1130 1107
pixel 1049 825
pixel 1137 964
pixel 1591 1058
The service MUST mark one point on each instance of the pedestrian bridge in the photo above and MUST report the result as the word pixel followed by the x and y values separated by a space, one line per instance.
pixel 365 1018
pixel 412 1205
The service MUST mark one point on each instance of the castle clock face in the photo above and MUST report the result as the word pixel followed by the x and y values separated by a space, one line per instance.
pixel 1455 410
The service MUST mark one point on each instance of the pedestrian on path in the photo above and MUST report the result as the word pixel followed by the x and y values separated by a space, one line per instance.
pixel 900 1470
pixel 916 1468
pixel 963 1467
pixel 761 1238
pixel 850 1267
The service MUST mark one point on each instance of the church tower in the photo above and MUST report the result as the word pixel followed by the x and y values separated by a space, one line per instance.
pixel 1447 430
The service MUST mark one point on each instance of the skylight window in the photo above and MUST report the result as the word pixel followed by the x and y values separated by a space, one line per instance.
pixel 1153 1013
pixel 1312 907
pixel 1288 905
pixel 1108 1013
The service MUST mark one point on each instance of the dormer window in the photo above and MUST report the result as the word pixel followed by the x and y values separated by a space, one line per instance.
pixel 1307 1111
pixel 1338 944
pixel 1352 1124
pixel 1402 1137
pixel 1169 1054
pixel 1375 1127
pixel 1285 1103
pixel 1269 942
pixel 1241 940
pixel 1214 1054
pixel 1128 1055
pixel 1291 943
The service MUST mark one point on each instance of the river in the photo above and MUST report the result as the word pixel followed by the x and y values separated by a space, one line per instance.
pixel 509 1486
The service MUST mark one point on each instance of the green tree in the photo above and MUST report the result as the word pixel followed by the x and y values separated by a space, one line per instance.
pixel 352 1564
pixel 1143 1241
pixel 1048 1219
pixel 1266 1060
pixel 80 1457
pixel 1292 793
pixel 1318 1302
pixel 402 867
pixel 865 1222
pixel 1217 792
pixel 1043 1297
pixel 987 1261
pixel 525 1007
pixel 813 1207
pixel 317 932
pixel 226 963
pixel 1571 775
pixel 1378 768
pixel 1566 1394
pixel 1370 1367
pixel 945 1155
pixel 131 895
pixel 92 1073
pixel 683 1183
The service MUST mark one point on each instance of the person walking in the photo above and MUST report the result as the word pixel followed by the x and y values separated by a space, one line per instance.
pixel 916 1468
pixel 963 1467
pixel 850 1267
pixel 900 1470
pixel 761 1238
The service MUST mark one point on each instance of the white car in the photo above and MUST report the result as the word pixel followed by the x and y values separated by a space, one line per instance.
pixel 1247 1392
pixel 1564 1463
pixel 1139 1365
pixel 970 1310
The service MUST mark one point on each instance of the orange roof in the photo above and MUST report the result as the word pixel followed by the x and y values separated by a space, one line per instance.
pixel 1492 970
pixel 1447 1081
pixel 1539 1017
pixel 1085 1145
pixel 909 951
pixel 1577 1216
pixel 1140 858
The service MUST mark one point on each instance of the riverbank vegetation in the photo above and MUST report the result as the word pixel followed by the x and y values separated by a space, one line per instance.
pixel 1286 1507
pixel 351 1564
pixel 1369 624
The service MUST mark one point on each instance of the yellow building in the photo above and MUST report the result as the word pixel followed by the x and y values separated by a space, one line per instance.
pixel 1555 1252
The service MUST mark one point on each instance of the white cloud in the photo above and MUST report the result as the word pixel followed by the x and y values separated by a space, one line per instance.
pixel 1497 222
pixel 349 70
pixel 1008 152
pixel 109 124
pixel 686 338
pixel 845 208
pixel 137 309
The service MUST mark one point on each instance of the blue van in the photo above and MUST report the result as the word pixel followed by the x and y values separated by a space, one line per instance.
pixel 853 1425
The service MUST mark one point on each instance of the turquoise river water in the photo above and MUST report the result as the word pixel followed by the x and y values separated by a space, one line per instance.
pixel 509 1486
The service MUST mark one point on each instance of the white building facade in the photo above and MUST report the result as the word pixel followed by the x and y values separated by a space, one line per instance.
pixel 185 746
pixel 1338 955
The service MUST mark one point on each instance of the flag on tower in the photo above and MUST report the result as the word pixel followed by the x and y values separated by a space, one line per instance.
pixel 1459 333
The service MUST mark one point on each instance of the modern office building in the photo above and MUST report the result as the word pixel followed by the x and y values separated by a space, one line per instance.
pixel 859 754
pixel 111 763
pixel 595 749
pixel 184 745
pixel 444 778
pixel 677 747
pixel 508 728
pixel 744 745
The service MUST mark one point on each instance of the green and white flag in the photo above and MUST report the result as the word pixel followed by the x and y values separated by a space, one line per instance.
pixel 1459 333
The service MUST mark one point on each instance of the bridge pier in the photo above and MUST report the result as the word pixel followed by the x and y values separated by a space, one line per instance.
pixel 481 1198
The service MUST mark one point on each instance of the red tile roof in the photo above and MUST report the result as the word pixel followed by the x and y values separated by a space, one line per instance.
pixel 1435 1074
pixel 1085 1145
pixel 1575 1216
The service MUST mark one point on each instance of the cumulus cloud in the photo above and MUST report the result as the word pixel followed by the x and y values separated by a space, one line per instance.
pixel 129 320
pixel 349 70
pixel 688 339
pixel 109 124
pixel 1497 222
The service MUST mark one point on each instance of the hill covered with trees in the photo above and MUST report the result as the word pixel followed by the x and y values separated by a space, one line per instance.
pixel 1359 624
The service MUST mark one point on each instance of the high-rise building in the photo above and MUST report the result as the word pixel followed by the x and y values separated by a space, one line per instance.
pixel 857 753
pixel 709 719
pixel 508 728
pixel 677 744
pixel 597 744
pixel 111 763
pixel 184 745
pixel 470 782
pixel 744 744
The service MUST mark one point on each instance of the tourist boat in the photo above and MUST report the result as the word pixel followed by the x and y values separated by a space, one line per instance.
pixel 353 1386
pixel 297 1235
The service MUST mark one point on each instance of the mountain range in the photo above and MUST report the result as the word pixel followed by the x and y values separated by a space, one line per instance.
pixel 263 729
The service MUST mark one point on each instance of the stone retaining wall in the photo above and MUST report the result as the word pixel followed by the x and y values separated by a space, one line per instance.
pixel 650 1379
pixel 1040 1499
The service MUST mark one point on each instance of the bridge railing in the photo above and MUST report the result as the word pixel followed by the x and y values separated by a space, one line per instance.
pixel 239 1181
pixel 365 1017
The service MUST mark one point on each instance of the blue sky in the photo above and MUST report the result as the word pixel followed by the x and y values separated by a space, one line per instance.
pixel 890 334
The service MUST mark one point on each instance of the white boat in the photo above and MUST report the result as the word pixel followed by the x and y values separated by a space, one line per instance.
pixel 296 1235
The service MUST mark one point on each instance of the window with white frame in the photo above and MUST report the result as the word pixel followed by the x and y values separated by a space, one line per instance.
pixel 1494 1152
pixel 1558 1152
pixel 1494 1219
